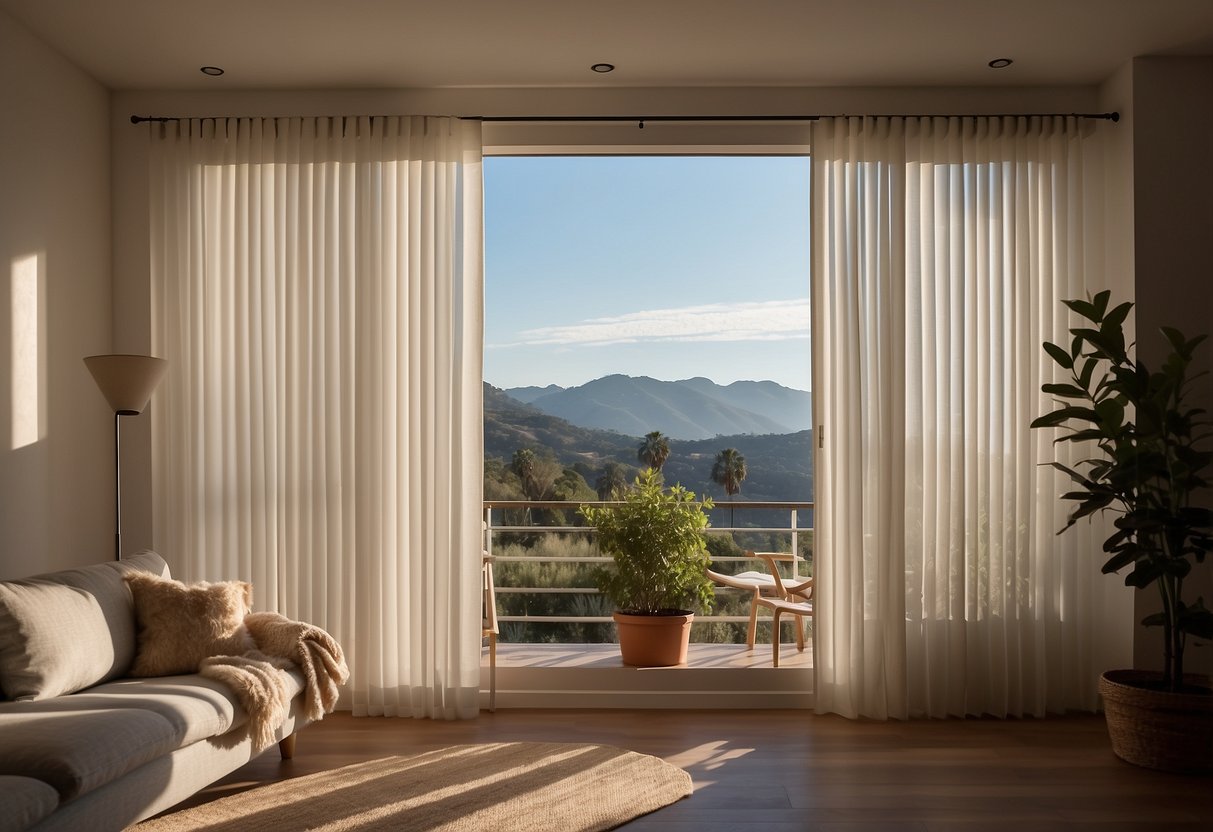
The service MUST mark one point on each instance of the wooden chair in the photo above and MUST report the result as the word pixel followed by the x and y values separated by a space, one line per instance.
pixel 758 584
pixel 794 598
pixel 488 625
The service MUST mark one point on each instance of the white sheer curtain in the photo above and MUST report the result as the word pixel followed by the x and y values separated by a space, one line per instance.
pixel 317 290
pixel 858 250
pixel 942 250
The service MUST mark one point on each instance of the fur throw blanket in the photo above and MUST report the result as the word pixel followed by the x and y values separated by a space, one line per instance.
pixel 258 677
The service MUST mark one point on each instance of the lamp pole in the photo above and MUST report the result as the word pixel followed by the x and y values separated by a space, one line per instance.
pixel 118 414
pixel 117 487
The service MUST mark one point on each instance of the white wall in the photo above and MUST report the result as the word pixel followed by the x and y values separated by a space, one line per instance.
pixel 1173 255
pixel 56 443
pixel 1118 632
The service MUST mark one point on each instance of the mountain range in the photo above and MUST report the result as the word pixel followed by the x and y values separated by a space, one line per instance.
pixel 693 408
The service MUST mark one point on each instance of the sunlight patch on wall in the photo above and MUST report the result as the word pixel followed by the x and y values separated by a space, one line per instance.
pixel 28 356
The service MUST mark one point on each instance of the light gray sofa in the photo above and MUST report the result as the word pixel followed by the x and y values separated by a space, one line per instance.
pixel 99 751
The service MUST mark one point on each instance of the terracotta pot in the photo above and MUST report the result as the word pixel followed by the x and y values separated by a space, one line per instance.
pixel 1155 728
pixel 654 640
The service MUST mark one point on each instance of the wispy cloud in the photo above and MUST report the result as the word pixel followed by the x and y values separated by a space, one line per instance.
pixel 776 320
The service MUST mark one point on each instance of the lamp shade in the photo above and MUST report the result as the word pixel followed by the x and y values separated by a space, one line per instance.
pixel 126 381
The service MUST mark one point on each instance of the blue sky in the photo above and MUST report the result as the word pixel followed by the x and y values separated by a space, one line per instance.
pixel 665 266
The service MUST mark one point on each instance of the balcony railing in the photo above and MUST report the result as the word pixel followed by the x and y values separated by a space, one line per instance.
pixel 534 544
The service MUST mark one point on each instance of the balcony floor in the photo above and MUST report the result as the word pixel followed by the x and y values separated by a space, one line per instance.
pixel 607 655
pixel 594 676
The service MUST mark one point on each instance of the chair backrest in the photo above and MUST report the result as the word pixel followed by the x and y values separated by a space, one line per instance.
pixel 796 588
pixel 802 591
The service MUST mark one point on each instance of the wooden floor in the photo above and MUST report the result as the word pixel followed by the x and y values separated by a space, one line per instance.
pixel 786 771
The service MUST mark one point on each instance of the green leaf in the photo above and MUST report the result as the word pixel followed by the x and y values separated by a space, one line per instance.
pixel 1082 307
pixel 1176 338
pixel 1089 434
pixel 1074 475
pixel 1088 370
pixel 1145 573
pixel 1063 358
pixel 1177 567
pixel 1118 315
pixel 1118 562
pixel 1051 420
pixel 1111 413
pixel 1158 619
pixel 1197 620
pixel 1106 344
pixel 1069 391
pixel 1101 302
pixel 1091 505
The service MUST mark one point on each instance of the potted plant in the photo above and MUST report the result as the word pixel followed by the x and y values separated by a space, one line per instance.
pixel 1152 461
pixel 655 538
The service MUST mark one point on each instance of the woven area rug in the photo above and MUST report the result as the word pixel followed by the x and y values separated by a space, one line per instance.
pixel 498 787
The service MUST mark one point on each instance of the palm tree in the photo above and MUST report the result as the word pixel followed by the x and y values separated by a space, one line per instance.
pixel 654 450
pixel 611 483
pixel 523 464
pixel 728 471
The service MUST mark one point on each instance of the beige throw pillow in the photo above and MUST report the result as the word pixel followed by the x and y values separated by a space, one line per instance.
pixel 179 625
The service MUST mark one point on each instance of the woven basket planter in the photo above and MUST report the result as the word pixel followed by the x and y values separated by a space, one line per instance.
pixel 1155 728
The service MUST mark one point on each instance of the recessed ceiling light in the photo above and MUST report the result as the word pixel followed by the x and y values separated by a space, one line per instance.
pixel 212 70
pixel 603 67
pixel 999 63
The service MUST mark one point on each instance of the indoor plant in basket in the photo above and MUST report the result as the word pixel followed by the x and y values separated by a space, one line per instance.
pixel 1152 460
pixel 655 538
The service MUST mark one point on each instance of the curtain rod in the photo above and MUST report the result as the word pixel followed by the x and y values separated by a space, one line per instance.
pixel 1114 116
pixel 640 120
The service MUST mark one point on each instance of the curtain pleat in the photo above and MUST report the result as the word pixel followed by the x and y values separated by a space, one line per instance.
pixel 317 290
pixel 858 299
pixel 928 367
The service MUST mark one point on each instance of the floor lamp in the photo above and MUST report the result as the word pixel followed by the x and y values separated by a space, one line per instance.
pixel 127 382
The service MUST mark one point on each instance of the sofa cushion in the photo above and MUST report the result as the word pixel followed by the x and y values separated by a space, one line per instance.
pixel 68 630
pixel 24 801
pixel 78 750
pixel 179 625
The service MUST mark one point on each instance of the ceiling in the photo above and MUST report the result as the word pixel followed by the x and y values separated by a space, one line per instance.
pixel 367 44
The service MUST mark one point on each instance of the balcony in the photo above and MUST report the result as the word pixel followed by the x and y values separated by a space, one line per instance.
pixel 557 648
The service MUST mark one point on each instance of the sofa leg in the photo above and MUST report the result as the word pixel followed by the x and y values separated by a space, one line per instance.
pixel 286 747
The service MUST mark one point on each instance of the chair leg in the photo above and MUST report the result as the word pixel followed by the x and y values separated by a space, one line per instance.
pixel 775 638
pixel 492 672
pixel 753 629
pixel 798 623
pixel 286 747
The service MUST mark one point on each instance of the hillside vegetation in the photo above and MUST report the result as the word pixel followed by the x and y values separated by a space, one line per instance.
pixel 780 465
